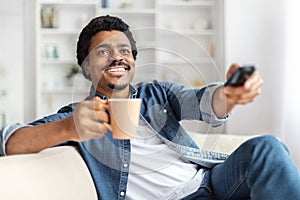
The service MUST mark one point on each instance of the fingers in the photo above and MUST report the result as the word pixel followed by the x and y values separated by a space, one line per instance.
pixel 100 104
pixel 246 93
pixel 254 81
pixel 94 128
pixel 241 95
pixel 91 118
pixel 95 110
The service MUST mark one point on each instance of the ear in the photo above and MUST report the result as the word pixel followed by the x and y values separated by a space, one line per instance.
pixel 85 67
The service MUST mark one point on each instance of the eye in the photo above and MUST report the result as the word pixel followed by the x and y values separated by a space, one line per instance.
pixel 103 52
pixel 125 51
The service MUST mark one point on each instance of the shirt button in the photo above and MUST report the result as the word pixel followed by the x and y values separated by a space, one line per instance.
pixel 125 165
pixel 165 111
pixel 122 194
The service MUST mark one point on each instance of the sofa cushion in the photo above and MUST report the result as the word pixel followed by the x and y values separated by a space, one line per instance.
pixel 60 173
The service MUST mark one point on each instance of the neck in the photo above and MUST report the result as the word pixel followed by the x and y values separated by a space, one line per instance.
pixel 114 93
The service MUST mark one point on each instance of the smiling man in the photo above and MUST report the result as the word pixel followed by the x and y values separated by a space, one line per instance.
pixel 110 64
pixel 162 161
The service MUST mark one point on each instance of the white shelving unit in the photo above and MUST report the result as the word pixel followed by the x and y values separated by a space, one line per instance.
pixel 189 53
pixel 56 51
pixel 189 43
pixel 178 40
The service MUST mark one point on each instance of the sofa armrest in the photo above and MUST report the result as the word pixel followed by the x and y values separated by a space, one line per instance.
pixel 55 173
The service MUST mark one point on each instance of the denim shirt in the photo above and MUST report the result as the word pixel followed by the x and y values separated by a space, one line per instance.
pixel 163 106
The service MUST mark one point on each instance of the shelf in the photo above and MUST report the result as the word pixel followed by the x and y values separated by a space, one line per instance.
pixel 189 3
pixel 58 31
pixel 46 61
pixel 190 32
pixel 180 61
pixel 69 2
pixel 66 90
pixel 133 11
pixel 197 32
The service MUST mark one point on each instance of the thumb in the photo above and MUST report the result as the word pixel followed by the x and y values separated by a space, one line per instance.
pixel 99 103
pixel 232 68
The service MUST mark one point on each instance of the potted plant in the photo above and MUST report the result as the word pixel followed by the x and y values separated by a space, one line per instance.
pixel 74 70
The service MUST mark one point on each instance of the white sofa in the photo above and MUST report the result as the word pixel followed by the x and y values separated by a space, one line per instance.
pixel 60 173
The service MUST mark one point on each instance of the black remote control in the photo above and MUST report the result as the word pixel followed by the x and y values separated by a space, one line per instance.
pixel 240 75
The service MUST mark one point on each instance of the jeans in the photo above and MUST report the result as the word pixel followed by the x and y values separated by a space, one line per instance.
pixel 260 168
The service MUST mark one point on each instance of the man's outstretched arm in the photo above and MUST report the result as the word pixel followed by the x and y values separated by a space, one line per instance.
pixel 226 98
pixel 84 120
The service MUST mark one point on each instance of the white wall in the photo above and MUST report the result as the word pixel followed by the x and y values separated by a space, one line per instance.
pixel 289 125
pixel 11 60
pixel 255 33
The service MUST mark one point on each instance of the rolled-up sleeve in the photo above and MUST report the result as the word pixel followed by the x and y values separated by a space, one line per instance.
pixel 5 134
pixel 206 108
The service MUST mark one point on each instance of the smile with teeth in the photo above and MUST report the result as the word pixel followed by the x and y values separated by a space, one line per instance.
pixel 116 69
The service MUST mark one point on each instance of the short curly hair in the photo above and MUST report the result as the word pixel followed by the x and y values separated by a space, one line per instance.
pixel 101 23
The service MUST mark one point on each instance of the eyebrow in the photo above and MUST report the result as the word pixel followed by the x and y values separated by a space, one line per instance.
pixel 105 45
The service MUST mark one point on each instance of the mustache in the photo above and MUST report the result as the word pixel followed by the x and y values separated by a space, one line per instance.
pixel 116 63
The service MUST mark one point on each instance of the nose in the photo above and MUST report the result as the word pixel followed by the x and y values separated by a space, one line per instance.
pixel 117 55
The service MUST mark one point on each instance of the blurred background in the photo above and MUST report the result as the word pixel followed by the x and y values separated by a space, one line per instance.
pixel 192 42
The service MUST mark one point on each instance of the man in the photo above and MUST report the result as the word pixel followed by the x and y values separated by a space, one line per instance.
pixel 162 162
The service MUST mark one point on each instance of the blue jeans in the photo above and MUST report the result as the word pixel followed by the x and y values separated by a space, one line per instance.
pixel 260 168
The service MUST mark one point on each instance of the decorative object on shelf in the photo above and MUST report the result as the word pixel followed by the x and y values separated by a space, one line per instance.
pixel 74 70
pixel 200 23
pixel 173 24
pixel 198 83
pixel 48 17
pixel 104 3
pixel 53 18
pixel 114 4
pixel 45 20
pixel 127 4
pixel 51 51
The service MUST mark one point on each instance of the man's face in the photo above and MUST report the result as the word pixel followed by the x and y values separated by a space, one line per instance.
pixel 110 62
